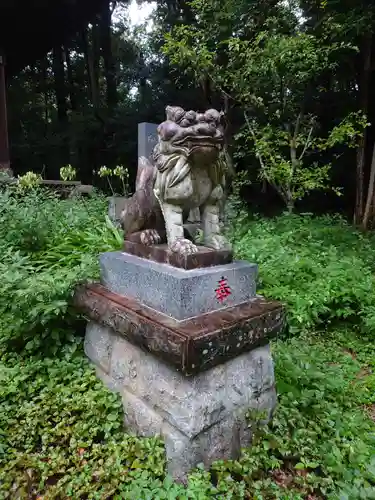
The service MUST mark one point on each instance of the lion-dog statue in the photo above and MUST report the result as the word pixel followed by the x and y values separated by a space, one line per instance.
pixel 186 172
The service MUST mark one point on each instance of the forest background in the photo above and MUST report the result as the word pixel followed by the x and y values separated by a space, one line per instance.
pixel 294 79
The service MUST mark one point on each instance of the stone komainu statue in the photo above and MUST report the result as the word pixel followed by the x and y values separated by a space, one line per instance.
pixel 187 172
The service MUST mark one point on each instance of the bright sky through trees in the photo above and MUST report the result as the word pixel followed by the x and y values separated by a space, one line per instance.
pixel 139 13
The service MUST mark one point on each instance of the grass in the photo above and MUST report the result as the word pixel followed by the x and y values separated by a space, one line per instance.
pixel 61 430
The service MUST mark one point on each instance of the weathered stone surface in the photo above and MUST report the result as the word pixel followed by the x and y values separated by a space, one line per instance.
pixel 205 257
pixel 191 230
pixel 98 345
pixel 222 441
pixel 147 139
pixel 193 404
pixel 190 175
pixel 187 173
pixel 181 294
pixel 192 345
pixel 201 418
pixel 116 205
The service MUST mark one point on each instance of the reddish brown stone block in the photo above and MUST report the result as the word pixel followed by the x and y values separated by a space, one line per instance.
pixel 192 345
pixel 205 257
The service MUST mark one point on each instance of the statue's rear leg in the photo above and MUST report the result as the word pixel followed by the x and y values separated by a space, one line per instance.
pixel 142 219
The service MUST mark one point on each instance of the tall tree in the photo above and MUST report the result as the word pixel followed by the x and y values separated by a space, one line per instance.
pixel 263 59
pixel 105 25
pixel 61 100
pixel 70 80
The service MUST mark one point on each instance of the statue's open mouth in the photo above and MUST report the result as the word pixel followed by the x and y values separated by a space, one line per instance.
pixel 203 147
pixel 193 141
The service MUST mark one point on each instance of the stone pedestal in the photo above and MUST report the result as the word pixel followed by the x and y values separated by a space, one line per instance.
pixel 187 348
pixel 201 418
pixel 178 293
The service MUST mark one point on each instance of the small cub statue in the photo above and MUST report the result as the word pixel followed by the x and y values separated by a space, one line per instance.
pixel 186 172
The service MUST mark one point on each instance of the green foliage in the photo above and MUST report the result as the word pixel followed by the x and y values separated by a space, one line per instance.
pixel 66 440
pixel 68 173
pixel 61 431
pixel 318 441
pixel 62 437
pixel 282 155
pixel 270 71
pixel 319 266
pixel 120 173
pixel 48 245
pixel 28 181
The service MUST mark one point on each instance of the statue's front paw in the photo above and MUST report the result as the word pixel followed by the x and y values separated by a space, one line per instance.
pixel 217 242
pixel 183 247
pixel 150 237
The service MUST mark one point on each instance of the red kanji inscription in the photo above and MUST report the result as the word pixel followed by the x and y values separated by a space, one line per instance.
pixel 223 290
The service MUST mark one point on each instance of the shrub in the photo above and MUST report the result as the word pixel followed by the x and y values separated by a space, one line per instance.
pixel 320 267
pixel 48 245
pixel 61 431
pixel 65 439
pixel 319 442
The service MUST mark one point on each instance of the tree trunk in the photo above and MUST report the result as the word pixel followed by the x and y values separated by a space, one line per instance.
pixel 4 143
pixel 94 144
pixel 109 63
pixel 45 90
pixel 61 101
pixel 370 201
pixel 91 64
pixel 186 9
pixel 71 84
pixel 227 139
pixel 364 86
pixel 44 70
pixel 95 52
pixel 205 84
pixel 60 86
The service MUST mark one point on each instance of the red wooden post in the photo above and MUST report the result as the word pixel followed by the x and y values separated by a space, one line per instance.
pixel 4 142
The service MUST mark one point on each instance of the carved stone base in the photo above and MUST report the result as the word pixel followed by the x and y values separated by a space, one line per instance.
pixel 192 375
pixel 190 346
pixel 205 257
pixel 201 418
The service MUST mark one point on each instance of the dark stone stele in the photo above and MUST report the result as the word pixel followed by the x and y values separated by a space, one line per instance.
pixel 147 139
pixel 205 257
pixel 192 345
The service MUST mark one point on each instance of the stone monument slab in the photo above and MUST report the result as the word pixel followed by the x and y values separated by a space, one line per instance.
pixel 147 139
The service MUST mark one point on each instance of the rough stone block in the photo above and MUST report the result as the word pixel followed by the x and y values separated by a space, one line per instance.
pixel 205 257
pixel 223 440
pixel 192 404
pixel 98 345
pixel 201 418
pixel 178 293
pixel 190 346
